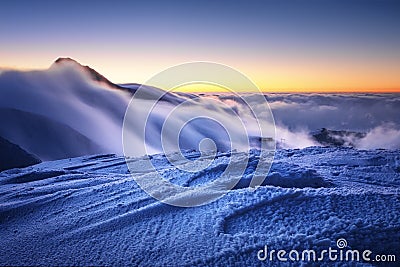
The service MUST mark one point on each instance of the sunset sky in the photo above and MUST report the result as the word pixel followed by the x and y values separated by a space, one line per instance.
pixel 281 45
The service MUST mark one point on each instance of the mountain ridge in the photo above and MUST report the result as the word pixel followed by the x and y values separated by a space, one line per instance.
pixel 94 75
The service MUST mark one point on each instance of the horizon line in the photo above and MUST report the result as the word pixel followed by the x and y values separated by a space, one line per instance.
pixel 289 91
pixel 328 90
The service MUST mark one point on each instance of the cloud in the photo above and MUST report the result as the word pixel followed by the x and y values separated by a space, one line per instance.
pixel 352 112
pixel 90 116
pixel 296 139
pixel 296 115
pixel 385 136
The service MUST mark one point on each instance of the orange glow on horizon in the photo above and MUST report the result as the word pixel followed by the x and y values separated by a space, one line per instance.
pixel 283 75
pixel 292 90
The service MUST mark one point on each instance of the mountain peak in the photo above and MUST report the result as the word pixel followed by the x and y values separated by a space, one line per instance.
pixel 66 59
pixel 94 75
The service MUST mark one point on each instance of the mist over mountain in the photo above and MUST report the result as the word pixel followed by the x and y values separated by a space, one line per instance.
pixel 151 91
pixel 72 110
pixel 61 112
pixel 93 74
pixel 328 137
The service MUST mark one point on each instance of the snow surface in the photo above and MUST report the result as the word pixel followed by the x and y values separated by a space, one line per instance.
pixel 90 211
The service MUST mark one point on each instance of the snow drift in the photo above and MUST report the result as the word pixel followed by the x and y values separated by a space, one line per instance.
pixel 88 211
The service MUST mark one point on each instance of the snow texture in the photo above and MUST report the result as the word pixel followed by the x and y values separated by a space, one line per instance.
pixel 90 211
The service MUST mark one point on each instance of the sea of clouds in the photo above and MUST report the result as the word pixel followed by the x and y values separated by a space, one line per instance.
pixel 62 112
pixel 297 115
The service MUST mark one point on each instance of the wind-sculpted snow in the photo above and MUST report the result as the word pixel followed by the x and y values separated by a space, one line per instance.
pixel 90 211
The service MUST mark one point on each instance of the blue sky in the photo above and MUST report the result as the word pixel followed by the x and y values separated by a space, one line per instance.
pixel 279 44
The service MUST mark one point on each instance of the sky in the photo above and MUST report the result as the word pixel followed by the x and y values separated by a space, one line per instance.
pixel 324 46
